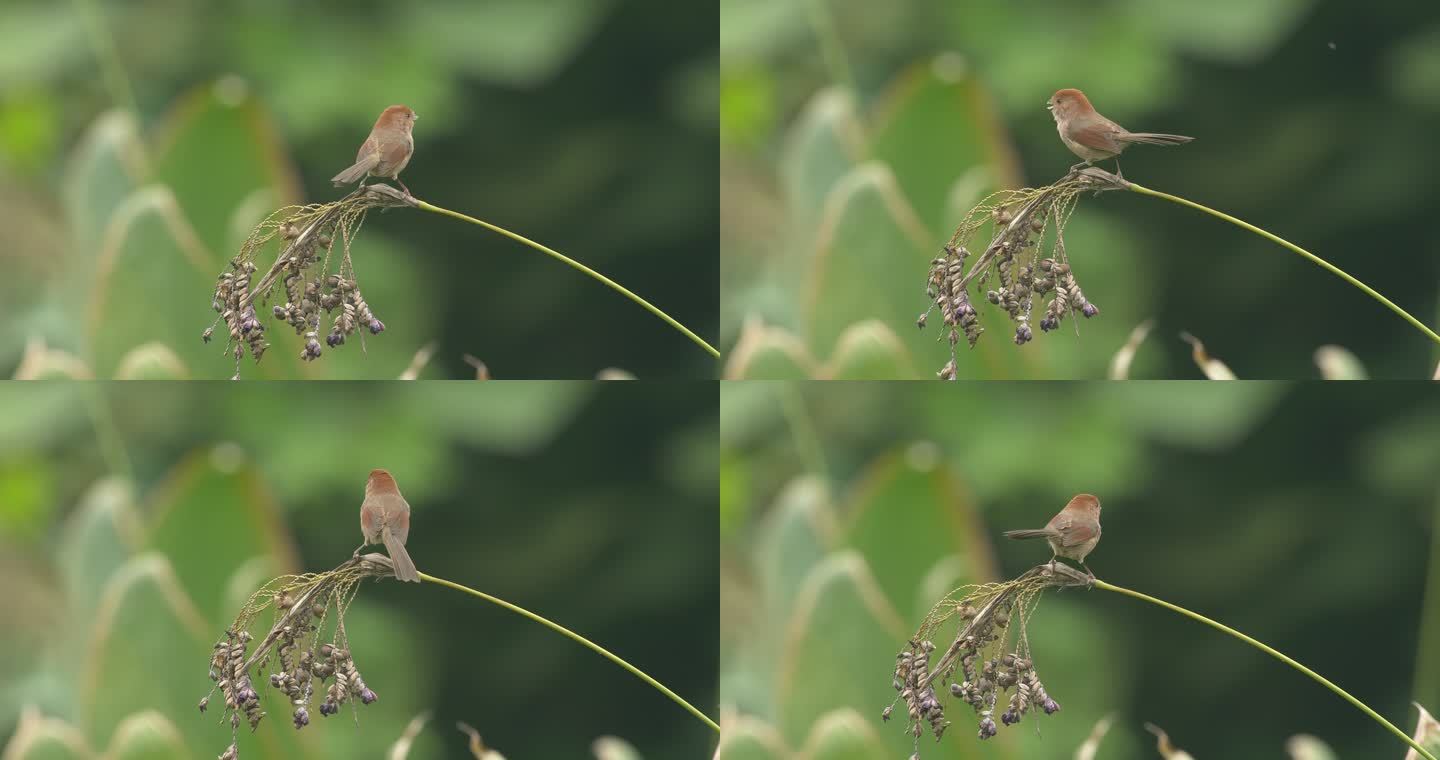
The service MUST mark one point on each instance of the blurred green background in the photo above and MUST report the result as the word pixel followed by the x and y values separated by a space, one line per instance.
pixel 854 137
pixel 136 518
pixel 141 141
pixel 1303 515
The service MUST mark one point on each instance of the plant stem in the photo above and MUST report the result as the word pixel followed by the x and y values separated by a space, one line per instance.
pixel 108 57
pixel 802 430
pixel 831 51
pixel 1273 653
pixel 577 637
pixel 1427 660
pixel 1342 274
pixel 617 287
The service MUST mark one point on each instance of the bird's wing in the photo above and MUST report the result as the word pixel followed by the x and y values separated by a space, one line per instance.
pixel 1074 534
pixel 1098 135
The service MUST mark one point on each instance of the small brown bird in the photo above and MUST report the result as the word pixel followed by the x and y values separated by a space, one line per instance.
pixel 386 151
pixel 1093 137
pixel 385 519
pixel 1072 533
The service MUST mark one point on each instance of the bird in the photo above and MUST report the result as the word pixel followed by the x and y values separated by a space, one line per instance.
pixel 1093 137
pixel 386 151
pixel 385 519
pixel 1072 533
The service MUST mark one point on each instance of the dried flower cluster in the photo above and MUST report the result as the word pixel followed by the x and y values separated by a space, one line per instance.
pixel 990 661
pixel 1013 259
pixel 312 294
pixel 303 666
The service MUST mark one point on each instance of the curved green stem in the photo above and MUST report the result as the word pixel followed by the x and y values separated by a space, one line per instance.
pixel 832 52
pixel 617 287
pixel 1323 681
pixel 581 639
pixel 1342 274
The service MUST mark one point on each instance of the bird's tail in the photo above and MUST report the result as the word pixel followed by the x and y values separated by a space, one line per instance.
pixel 404 567
pixel 356 172
pixel 1155 138
pixel 1031 533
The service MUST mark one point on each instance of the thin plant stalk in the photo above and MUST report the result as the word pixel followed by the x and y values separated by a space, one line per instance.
pixel 1342 274
pixel 1323 681
pixel 1427 660
pixel 617 287
pixel 581 639
pixel 832 52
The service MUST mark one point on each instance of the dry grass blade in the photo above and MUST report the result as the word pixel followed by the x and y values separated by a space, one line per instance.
pixel 1120 365
pixel 1213 368
pixel 1091 745
pixel 1162 743
pixel 1427 732
pixel 418 364
pixel 476 746
pixel 482 372
pixel 1306 747
pixel 401 748
pixel 1337 363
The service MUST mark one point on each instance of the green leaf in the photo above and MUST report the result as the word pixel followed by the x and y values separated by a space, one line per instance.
pixel 768 353
pixel 147 735
pixel 146 630
pixel 96 540
pixel 946 575
pixel 210 516
pixel 149 248
pixel 250 576
pixel 102 171
pixel 40 362
pixel 821 147
pixel 906 513
pixel 843 735
pixel 936 122
pixel 790 541
pixel 151 361
pixel 870 351
pixel 40 738
pixel 839 649
pixel 869 260
pixel 215 148
pixel 748 738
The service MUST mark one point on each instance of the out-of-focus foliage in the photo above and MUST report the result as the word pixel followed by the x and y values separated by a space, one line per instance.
pixel 853 137
pixel 140 142
pixel 848 511
pixel 138 519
